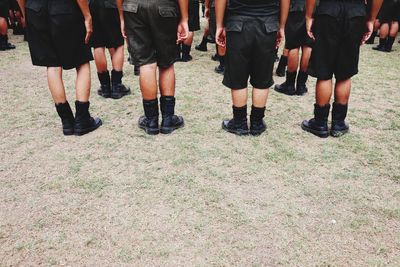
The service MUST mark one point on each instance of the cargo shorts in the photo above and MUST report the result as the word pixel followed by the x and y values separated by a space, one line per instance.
pixel 151 27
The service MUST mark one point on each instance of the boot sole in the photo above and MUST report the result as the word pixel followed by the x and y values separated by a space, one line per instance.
pixel 78 132
pixel 257 133
pixel 150 131
pixel 68 132
pixel 285 93
pixel 321 134
pixel 339 133
pixel 238 133
pixel 169 130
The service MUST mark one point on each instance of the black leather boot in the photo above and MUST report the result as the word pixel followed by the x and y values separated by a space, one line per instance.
pixel 389 44
pixel 149 122
pixel 301 86
pixel 4 44
pixel 371 39
pixel 67 117
pixel 170 122
pixel 381 46
pixel 319 124
pixel 202 46
pixel 237 125
pixel 84 123
pixel 257 123
pixel 287 87
pixel 105 84
pixel 281 69
pixel 339 126
pixel 186 57
pixel 178 56
pixel 220 69
pixel 136 70
pixel 118 89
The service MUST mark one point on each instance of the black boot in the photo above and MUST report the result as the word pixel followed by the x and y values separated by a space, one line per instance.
pixel 136 70
pixel 339 126
pixel 19 30
pixel 281 69
pixel 178 56
pixel 202 46
pixel 105 84
pixel 301 86
pixel 257 124
pixel 170 122
pixel 220 69
pixel 186 57
pixel 118 89
pixel 237 125
pixel 149 122
pixel 84 123
pixel 381 46
pixel 67 117
pixel 287 87
pixel 4 44
pixel 319 124
pixel 389 44
pixel 371 39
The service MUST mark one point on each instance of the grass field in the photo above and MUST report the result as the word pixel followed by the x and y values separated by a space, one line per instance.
pixel 198 197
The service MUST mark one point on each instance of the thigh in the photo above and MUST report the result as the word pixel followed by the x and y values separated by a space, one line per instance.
pixel 238 54
pixel 68 34
pixel 41 46
pixel 140 42
pixel 348 57
pixel 327 32
pixel 164 24
pixel 263 56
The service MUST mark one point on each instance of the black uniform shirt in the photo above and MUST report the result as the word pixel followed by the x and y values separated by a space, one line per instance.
pixel 297 5
pixel 339 9
pixel 253 7
pixel 54 7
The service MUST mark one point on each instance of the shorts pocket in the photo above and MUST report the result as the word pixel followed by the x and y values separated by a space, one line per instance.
pixel 234 26
pixel 168 12
pixel 130 7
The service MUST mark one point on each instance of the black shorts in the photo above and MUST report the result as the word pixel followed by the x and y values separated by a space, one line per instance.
pixel 250 51
pixel 212 23
pixel 4 8
pixel 106 26
pixel 151 27
pixel 390 11
pixel 57 38
pixel 295 31
pixel 194 15
pixel 336 49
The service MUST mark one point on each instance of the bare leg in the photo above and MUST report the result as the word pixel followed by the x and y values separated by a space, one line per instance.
pixel 189 40
pixel 83 82
pixel 305 58
pixel 148 81
pixel 384 31
pixel 293 60
pixel 260 97
pixel 100 59
pixel 117 58
pixel 167 81
pixel 342 91
pixel 323 92
pixel 56 84
pixel 3 26
pixel 239 97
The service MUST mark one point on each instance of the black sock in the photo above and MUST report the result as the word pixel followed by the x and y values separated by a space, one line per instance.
pixel 302 77
pixel 382 41
pixel 116 77
pixel 291 78
pixel 186 50
pixel 257 114
pixel 167 105
pixel 239 113
pixel 150 108
pixel 221 60
pixel 104 78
